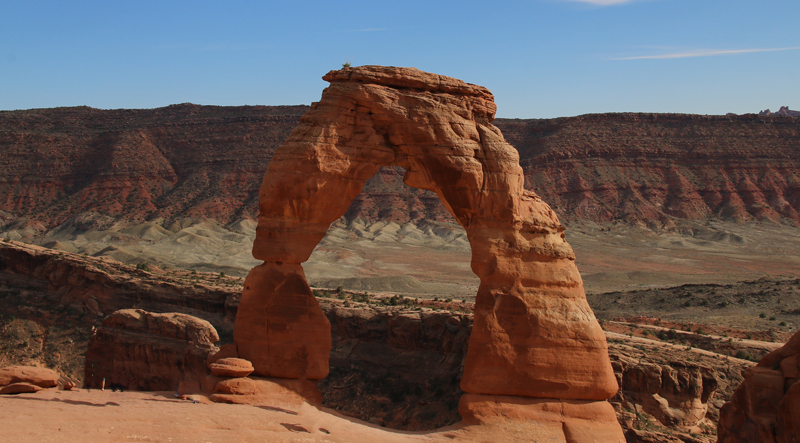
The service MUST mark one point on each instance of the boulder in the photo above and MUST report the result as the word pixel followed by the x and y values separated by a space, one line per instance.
pixel 19 388
pixel 139 350
pixel 231 367
pixel 41 377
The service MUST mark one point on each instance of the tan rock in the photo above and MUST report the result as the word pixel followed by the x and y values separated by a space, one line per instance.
pixel 574 421
pixel 534 334
pixel 266 391
pixel 19 388
pixel 231 367
pixel 42 377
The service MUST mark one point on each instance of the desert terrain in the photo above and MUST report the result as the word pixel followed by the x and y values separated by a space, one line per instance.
pixel 686 239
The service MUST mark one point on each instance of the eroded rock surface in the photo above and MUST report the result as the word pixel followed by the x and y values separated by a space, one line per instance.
pixel 41 377
pixel 140 350
pixel 534 334
pixel 766 406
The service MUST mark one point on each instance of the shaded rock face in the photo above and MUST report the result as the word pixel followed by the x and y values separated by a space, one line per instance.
pixel 140 350
pixel 534 333
pixel 766 406
pixel 675 394
pixel 96 288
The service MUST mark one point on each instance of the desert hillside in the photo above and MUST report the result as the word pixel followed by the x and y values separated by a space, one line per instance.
pixel 207 162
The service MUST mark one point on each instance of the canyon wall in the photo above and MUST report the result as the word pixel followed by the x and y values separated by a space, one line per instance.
pixel 208 161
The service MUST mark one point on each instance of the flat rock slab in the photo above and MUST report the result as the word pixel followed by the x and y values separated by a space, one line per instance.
pixel 266 391
pixel 575 421
pixel 41 377
pixel 231 367
pixel 19 388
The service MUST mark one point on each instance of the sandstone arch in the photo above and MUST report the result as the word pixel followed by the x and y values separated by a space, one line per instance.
pixel 534 334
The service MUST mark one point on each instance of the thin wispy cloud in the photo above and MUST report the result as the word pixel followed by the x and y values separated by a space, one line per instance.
pixel 603 2
pixel 367 30
pixel 703 53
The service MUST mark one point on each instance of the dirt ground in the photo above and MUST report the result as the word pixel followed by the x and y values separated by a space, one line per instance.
pixel 89 416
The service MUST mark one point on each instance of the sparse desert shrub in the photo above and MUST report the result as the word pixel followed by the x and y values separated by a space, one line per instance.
pixel 762 315
pixel 745 356
pixel 773 318
pixel 143 266
pixel 783 323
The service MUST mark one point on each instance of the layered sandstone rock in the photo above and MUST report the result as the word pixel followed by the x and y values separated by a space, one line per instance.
pixel 534 334
pixel 766 406
pixel 676 394
pixel 140 350
pixel 231 367
pixel 41 377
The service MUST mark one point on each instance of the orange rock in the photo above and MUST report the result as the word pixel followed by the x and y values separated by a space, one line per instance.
pixel 139 350
pixel 766 406
pixel 534 333
pixel 574 421
pixel 231 367
pixel 280 327
pixel 19 388
pixel 266 391
pixel 42 377
pixel 225 351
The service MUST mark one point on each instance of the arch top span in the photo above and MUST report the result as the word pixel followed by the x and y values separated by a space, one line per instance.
pixel 534 334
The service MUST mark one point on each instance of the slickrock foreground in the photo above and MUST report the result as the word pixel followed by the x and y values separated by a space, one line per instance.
pixel 534 334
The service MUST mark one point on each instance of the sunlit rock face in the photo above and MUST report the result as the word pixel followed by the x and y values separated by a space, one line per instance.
pixel 534 334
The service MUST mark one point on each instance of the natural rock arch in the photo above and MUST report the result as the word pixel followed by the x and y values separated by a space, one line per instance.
pixel 534 334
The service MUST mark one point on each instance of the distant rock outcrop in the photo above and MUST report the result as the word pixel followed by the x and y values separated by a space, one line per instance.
pixel 766 406
pixel 140 350
pixel 784 110
pixel 534 334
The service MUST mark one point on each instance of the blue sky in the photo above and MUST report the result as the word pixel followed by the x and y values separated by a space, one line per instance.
pixel 540 58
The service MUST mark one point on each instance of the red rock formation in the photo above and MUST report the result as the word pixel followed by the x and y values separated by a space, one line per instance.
pixel 534 334
pixel 675 394
pixel 279 325
pixel 139 350
pixel 19 388
pixel 96 287
pixel 766 406
pixel 231 367
pixel 41 377
pixel 208 161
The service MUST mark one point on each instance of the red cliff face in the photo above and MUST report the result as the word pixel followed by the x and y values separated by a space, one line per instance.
pixel 187 160
pixel 642 167
pixel 208 161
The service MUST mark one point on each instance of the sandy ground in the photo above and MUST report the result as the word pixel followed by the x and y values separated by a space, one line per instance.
pixel 89 416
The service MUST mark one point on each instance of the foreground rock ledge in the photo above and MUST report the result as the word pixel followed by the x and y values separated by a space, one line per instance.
pixel 534 334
